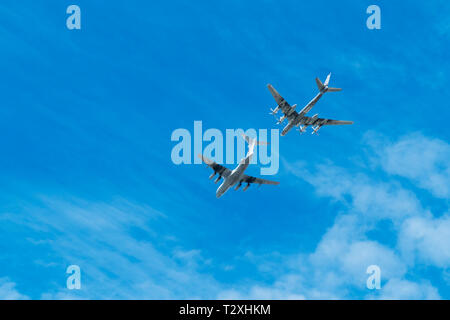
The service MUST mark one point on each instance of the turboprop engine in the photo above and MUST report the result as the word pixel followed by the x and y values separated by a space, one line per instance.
pixel 302 129
pixel 316 129
pixel 281 119
pixel 274 111
pixel 293 108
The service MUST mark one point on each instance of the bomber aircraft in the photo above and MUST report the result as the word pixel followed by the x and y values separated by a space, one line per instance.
pixel 299 118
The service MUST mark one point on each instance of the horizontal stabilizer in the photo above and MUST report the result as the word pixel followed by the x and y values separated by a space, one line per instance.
pixel 251 141
pixel 330 89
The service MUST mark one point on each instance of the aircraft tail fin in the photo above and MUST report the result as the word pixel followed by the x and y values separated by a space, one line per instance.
pixel 327 80
pixel 330 89
pixel 253 142
pixel 319 84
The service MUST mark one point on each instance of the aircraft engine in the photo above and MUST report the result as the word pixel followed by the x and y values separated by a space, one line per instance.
pixel 293 108
pixel 316 129
pixel 246 187
pixel 218 179
pixel 238 186
pixel 212 176
pixel 274 111
pixel 281 119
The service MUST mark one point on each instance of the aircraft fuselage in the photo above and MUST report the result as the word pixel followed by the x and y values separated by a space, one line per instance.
pixel 234 177
pixel 298 119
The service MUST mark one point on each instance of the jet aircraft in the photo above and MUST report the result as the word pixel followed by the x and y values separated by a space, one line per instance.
pixel 236 176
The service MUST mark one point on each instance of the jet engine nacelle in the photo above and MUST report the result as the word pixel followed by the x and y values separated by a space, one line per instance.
pixel 246 187
pixel 314 117
pixel 238 186
pixel 212 176
pixel 218 179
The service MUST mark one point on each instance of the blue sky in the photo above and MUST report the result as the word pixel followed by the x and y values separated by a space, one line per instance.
pixel 85 123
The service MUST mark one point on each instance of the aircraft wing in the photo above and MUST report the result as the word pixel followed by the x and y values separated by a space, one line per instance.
pixel 221 170
pixel 325 122
pixel 283 104
pixel 250 179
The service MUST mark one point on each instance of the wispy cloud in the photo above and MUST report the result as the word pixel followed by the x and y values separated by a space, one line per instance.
pixel 103 239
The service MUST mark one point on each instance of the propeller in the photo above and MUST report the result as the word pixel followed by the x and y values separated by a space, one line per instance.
pixel 315 129
pixel 302 129
pixel 280 120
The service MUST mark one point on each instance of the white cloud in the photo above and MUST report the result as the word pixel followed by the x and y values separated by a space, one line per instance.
pixel 397 289
pixel 425 161
pixel 97 237
pixel 372 199
pixel 346 253
pixel 427 239
pixel 8 291
pixel 338 265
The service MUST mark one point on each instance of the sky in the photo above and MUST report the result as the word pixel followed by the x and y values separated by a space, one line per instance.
pixel 87 178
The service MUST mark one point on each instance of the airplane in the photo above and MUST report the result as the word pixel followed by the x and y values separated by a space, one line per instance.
pixel 236 176
pixel 299 118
